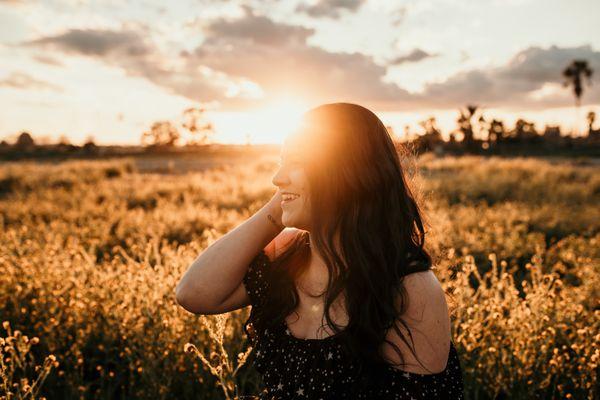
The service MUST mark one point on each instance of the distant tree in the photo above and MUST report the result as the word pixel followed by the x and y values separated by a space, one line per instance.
pixel 465 125
pixel 89 146
pixel 552 133
pixel 496 131
pixel 24 142
pixel 524 131
pixel 161 134
pixel 431 129
pixel 431 139
pixel 196 123
pixel 574 74
pixel 64 145
pixel 63 140
pixel 591 118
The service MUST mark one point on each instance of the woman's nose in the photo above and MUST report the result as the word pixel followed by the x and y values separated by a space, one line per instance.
pixel 280 178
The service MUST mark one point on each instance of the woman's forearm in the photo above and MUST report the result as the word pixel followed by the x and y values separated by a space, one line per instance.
pixel 220 268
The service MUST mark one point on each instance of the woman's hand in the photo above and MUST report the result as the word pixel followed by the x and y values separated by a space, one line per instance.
pixel 274 208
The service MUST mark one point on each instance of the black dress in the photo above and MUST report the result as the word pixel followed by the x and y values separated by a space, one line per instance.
pixel 294 368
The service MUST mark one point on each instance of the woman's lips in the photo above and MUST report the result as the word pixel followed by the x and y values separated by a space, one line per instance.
pixel 289 201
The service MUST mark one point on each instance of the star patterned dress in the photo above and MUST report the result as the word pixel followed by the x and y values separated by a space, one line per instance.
pixel 294 368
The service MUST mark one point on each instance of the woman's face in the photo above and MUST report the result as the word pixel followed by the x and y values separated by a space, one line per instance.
pixel 292 181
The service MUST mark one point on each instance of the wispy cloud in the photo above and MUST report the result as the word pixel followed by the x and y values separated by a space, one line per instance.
pixel 48 60
pixel 22 80
pixel 329 8
pixel 97 42
pixel 289 63
pixel 414 56
pixel 516 83
pixel 247 60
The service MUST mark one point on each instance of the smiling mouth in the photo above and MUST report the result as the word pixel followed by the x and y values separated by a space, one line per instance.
pixel 287 198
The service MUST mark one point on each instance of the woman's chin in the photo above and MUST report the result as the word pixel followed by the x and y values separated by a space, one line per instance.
pixel 286 222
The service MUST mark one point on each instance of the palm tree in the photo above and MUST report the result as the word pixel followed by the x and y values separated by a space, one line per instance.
pixel 574 74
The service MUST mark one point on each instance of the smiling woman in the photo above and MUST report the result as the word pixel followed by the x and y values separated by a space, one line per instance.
pixel 345 304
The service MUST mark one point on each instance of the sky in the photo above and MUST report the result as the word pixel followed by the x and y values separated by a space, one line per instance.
pixel 110 69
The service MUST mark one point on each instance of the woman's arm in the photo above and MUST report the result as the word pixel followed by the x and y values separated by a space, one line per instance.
pixel 219 269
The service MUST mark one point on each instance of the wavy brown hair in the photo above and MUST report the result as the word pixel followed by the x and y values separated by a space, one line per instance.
pixel 365 223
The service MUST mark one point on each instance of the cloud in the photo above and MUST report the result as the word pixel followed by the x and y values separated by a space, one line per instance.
pixel 44 59
pixel 524 81
pixel 258 29
pixel 131 50
pixel 414 56
pixel 243 62
pixel 96 42
pixel 329 8
pixel 249 60
pixel 24 81
pixel 244 47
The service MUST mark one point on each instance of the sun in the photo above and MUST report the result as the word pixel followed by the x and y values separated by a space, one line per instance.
pixel 279 118
pixel 270 123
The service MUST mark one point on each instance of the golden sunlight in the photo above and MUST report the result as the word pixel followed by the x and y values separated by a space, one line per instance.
pixel 279 118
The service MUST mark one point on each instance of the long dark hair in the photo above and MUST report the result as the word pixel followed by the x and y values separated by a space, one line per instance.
pixel 361 205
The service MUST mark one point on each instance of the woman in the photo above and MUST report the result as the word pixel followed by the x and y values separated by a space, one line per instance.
pixel 344 302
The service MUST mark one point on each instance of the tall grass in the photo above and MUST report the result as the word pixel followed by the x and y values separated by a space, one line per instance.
pixel 20 377
pixel 91 253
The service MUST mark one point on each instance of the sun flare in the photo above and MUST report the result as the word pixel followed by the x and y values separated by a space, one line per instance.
pixel 279 118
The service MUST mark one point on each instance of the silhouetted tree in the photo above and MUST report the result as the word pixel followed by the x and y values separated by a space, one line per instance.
pixel 432 138
pixel 64 145
pixel 591 118
pixel 496 131
pixel 161 134
pixel 574 74
pixel 524 131
pixel 431 129
pixel 465 125
pixel 24 142
pixel 89 147
pixel 552 133
pixel 195 122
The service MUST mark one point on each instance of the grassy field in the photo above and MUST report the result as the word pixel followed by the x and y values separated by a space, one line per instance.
pixel 91 252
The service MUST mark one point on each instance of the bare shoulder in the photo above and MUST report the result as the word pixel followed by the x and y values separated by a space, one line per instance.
pixel 426 315
pixel 280 242
pixel 424 290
